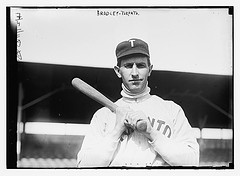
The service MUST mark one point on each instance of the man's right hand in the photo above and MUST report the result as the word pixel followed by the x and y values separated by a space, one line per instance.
pixel 122 123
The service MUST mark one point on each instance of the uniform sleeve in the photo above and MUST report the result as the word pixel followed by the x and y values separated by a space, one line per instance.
pixel 97 149
pixel 182 149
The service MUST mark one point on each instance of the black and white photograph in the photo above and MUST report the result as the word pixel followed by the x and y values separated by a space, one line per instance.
pixel 120 87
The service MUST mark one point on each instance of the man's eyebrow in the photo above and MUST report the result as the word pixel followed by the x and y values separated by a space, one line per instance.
pixel 129 63
pixel 135 63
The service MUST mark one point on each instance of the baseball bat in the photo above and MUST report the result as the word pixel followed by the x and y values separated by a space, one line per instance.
pixel 94 94
pixel 100 98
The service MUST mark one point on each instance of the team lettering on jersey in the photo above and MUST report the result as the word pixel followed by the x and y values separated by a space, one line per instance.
pixel 159 125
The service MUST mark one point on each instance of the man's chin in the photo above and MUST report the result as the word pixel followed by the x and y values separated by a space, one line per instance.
pixel 136 90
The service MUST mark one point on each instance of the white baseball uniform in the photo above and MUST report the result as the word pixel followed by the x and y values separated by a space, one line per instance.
pixel 176 145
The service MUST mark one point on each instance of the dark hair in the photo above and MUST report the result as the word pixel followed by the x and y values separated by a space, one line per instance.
pixel 133 55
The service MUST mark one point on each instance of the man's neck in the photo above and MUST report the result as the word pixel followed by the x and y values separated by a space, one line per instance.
pixel 126 93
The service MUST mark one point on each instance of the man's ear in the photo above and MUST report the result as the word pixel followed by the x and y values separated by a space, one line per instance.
pixel 117 71
pixel 150 70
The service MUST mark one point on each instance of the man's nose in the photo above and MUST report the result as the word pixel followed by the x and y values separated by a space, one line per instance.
pixel 134 72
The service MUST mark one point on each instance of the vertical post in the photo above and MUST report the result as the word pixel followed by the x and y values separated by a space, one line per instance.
pixel 19 121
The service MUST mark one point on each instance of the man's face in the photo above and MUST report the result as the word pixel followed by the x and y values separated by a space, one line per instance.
pixel 134 72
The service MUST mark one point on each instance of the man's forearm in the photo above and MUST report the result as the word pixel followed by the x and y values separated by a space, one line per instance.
pixel 176 153
pixel 99 155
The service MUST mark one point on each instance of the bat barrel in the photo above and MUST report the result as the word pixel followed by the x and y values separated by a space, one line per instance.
pixel 93 93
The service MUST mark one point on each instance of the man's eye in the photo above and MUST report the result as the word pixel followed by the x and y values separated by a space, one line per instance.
pixel 141 65
pixel 128 65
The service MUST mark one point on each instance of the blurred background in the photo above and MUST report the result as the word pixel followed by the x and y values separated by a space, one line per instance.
pixel 190 48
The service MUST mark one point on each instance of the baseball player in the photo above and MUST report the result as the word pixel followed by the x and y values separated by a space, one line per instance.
pixel 115 139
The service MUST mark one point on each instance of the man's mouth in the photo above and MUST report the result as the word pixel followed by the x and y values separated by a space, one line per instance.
pixel 135 80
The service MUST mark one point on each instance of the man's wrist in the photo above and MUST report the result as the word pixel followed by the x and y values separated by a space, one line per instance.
pixel 115 134
pixel 153 136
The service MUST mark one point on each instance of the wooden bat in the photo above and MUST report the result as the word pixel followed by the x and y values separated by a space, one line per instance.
pixel 94 94
pixel 100 98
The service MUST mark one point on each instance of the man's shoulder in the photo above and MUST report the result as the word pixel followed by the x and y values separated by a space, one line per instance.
pixel 120 102
pixel 165 102
pixel 160 99
pixel 103 110
pixel 102 115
